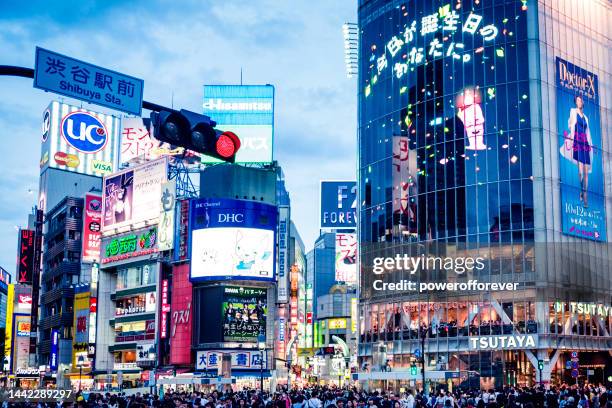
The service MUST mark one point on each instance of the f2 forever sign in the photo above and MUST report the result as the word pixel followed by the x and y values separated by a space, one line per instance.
pixel 338 204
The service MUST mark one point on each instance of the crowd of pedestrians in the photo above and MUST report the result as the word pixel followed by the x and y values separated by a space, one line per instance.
pixel 589 396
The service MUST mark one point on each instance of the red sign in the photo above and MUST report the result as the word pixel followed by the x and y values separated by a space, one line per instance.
pixel 181 319
pixel 165 307
pixel 25 262
pixel 309 317
pixel 25 300
pixel 92 223
pixel 183 230
pixel 93 305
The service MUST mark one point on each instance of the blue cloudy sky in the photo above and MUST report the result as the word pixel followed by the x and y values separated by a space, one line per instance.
pixel 176 47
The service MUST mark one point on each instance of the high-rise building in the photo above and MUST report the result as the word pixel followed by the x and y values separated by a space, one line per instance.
pixel 483 144
pixel 321 266
pixel 61 271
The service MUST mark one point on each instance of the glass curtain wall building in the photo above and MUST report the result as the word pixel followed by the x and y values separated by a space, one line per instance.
pixel 484 134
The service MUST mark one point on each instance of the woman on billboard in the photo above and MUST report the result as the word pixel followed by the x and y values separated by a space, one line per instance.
pixel 579 142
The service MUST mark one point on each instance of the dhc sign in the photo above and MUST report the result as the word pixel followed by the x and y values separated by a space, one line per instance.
pixel 232 218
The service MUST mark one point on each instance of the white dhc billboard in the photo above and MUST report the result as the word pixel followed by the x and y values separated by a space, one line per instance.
pixel 245 252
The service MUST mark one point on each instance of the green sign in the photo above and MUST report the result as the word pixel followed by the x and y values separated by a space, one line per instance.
pixel 130 245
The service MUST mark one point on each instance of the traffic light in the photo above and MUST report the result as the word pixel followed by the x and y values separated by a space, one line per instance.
pixel 413 369
pixel 540 365
pixel 195 132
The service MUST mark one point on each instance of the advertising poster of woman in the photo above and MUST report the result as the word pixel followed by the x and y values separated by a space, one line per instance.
pixel 580 152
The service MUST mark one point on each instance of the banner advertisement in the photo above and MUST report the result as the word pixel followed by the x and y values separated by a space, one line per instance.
pixel 181 251
pixel 92 226
pixel 78 140
pixel 248 111
pixel 80 341
pixel 404 164
pixel 129 246
pixel 132 196
pixel 166 216
pixel 145 352
pixel 208 360
pixel 244 313
pixel 346 258
pixel 283 255
pixel 21 341
pixel 232 239
pixel 580 153
pixel 25 262
pixel 181 317
pixel 338 204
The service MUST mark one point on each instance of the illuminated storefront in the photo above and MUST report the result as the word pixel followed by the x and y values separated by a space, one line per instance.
pixel 463 116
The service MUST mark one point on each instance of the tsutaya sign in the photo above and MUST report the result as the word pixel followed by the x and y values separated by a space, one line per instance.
pixel 507 342
pixel 593 309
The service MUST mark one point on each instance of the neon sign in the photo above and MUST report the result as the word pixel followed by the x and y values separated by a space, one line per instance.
pixel 442 25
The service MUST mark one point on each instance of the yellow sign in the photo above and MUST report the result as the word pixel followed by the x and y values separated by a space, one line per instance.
pixel 336 324
pixel 354 315
pixel 9 322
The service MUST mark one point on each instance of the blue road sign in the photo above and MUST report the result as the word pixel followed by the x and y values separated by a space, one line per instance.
pixel 67 76
pixel 338 204
pixel 417 353
pixel 575 373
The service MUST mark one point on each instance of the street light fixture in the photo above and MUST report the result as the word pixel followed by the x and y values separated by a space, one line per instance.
pixel 80 363
pixel 261 343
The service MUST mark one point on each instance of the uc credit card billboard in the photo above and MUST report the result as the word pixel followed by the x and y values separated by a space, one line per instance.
pixel 78 140
pixel 232 239
pixel 338 204
pixel 248 111
pixel 580 153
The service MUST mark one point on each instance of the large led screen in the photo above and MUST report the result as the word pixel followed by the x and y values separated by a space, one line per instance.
pixel 232 239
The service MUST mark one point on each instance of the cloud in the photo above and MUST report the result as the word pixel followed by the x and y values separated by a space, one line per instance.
pixel 296 46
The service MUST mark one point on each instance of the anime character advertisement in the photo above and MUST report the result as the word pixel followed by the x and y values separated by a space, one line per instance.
pixel 580 152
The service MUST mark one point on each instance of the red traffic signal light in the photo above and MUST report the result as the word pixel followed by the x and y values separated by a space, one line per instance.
pixel 195 132
pixel 227 144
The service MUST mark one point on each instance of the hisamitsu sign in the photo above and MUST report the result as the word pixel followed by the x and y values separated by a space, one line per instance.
pixel 67 76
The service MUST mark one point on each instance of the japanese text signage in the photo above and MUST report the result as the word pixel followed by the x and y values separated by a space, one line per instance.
pixel 80 80
pixel 444 33
pixel 346 258
pixel 166 215
pixel 244 312
pixel 338 204
pixel 129 246
pixel 209 360
pixel 25 264
pixel 92 225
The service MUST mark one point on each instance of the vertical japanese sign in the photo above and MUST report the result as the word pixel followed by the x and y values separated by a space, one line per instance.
pixel 25 262
pixel 166 216
pixel 182 249
pixel 165 308
pixel 181 318
pixel 67 76
pixel 53 356
pixel 80 340
pixel 580 163
pixel 283 255
pixel 92 225
pixel 346 258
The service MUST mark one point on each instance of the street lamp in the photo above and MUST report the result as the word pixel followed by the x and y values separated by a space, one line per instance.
pixel 5 363
pixel 423 335
pixel 261 343
pixel 80 363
